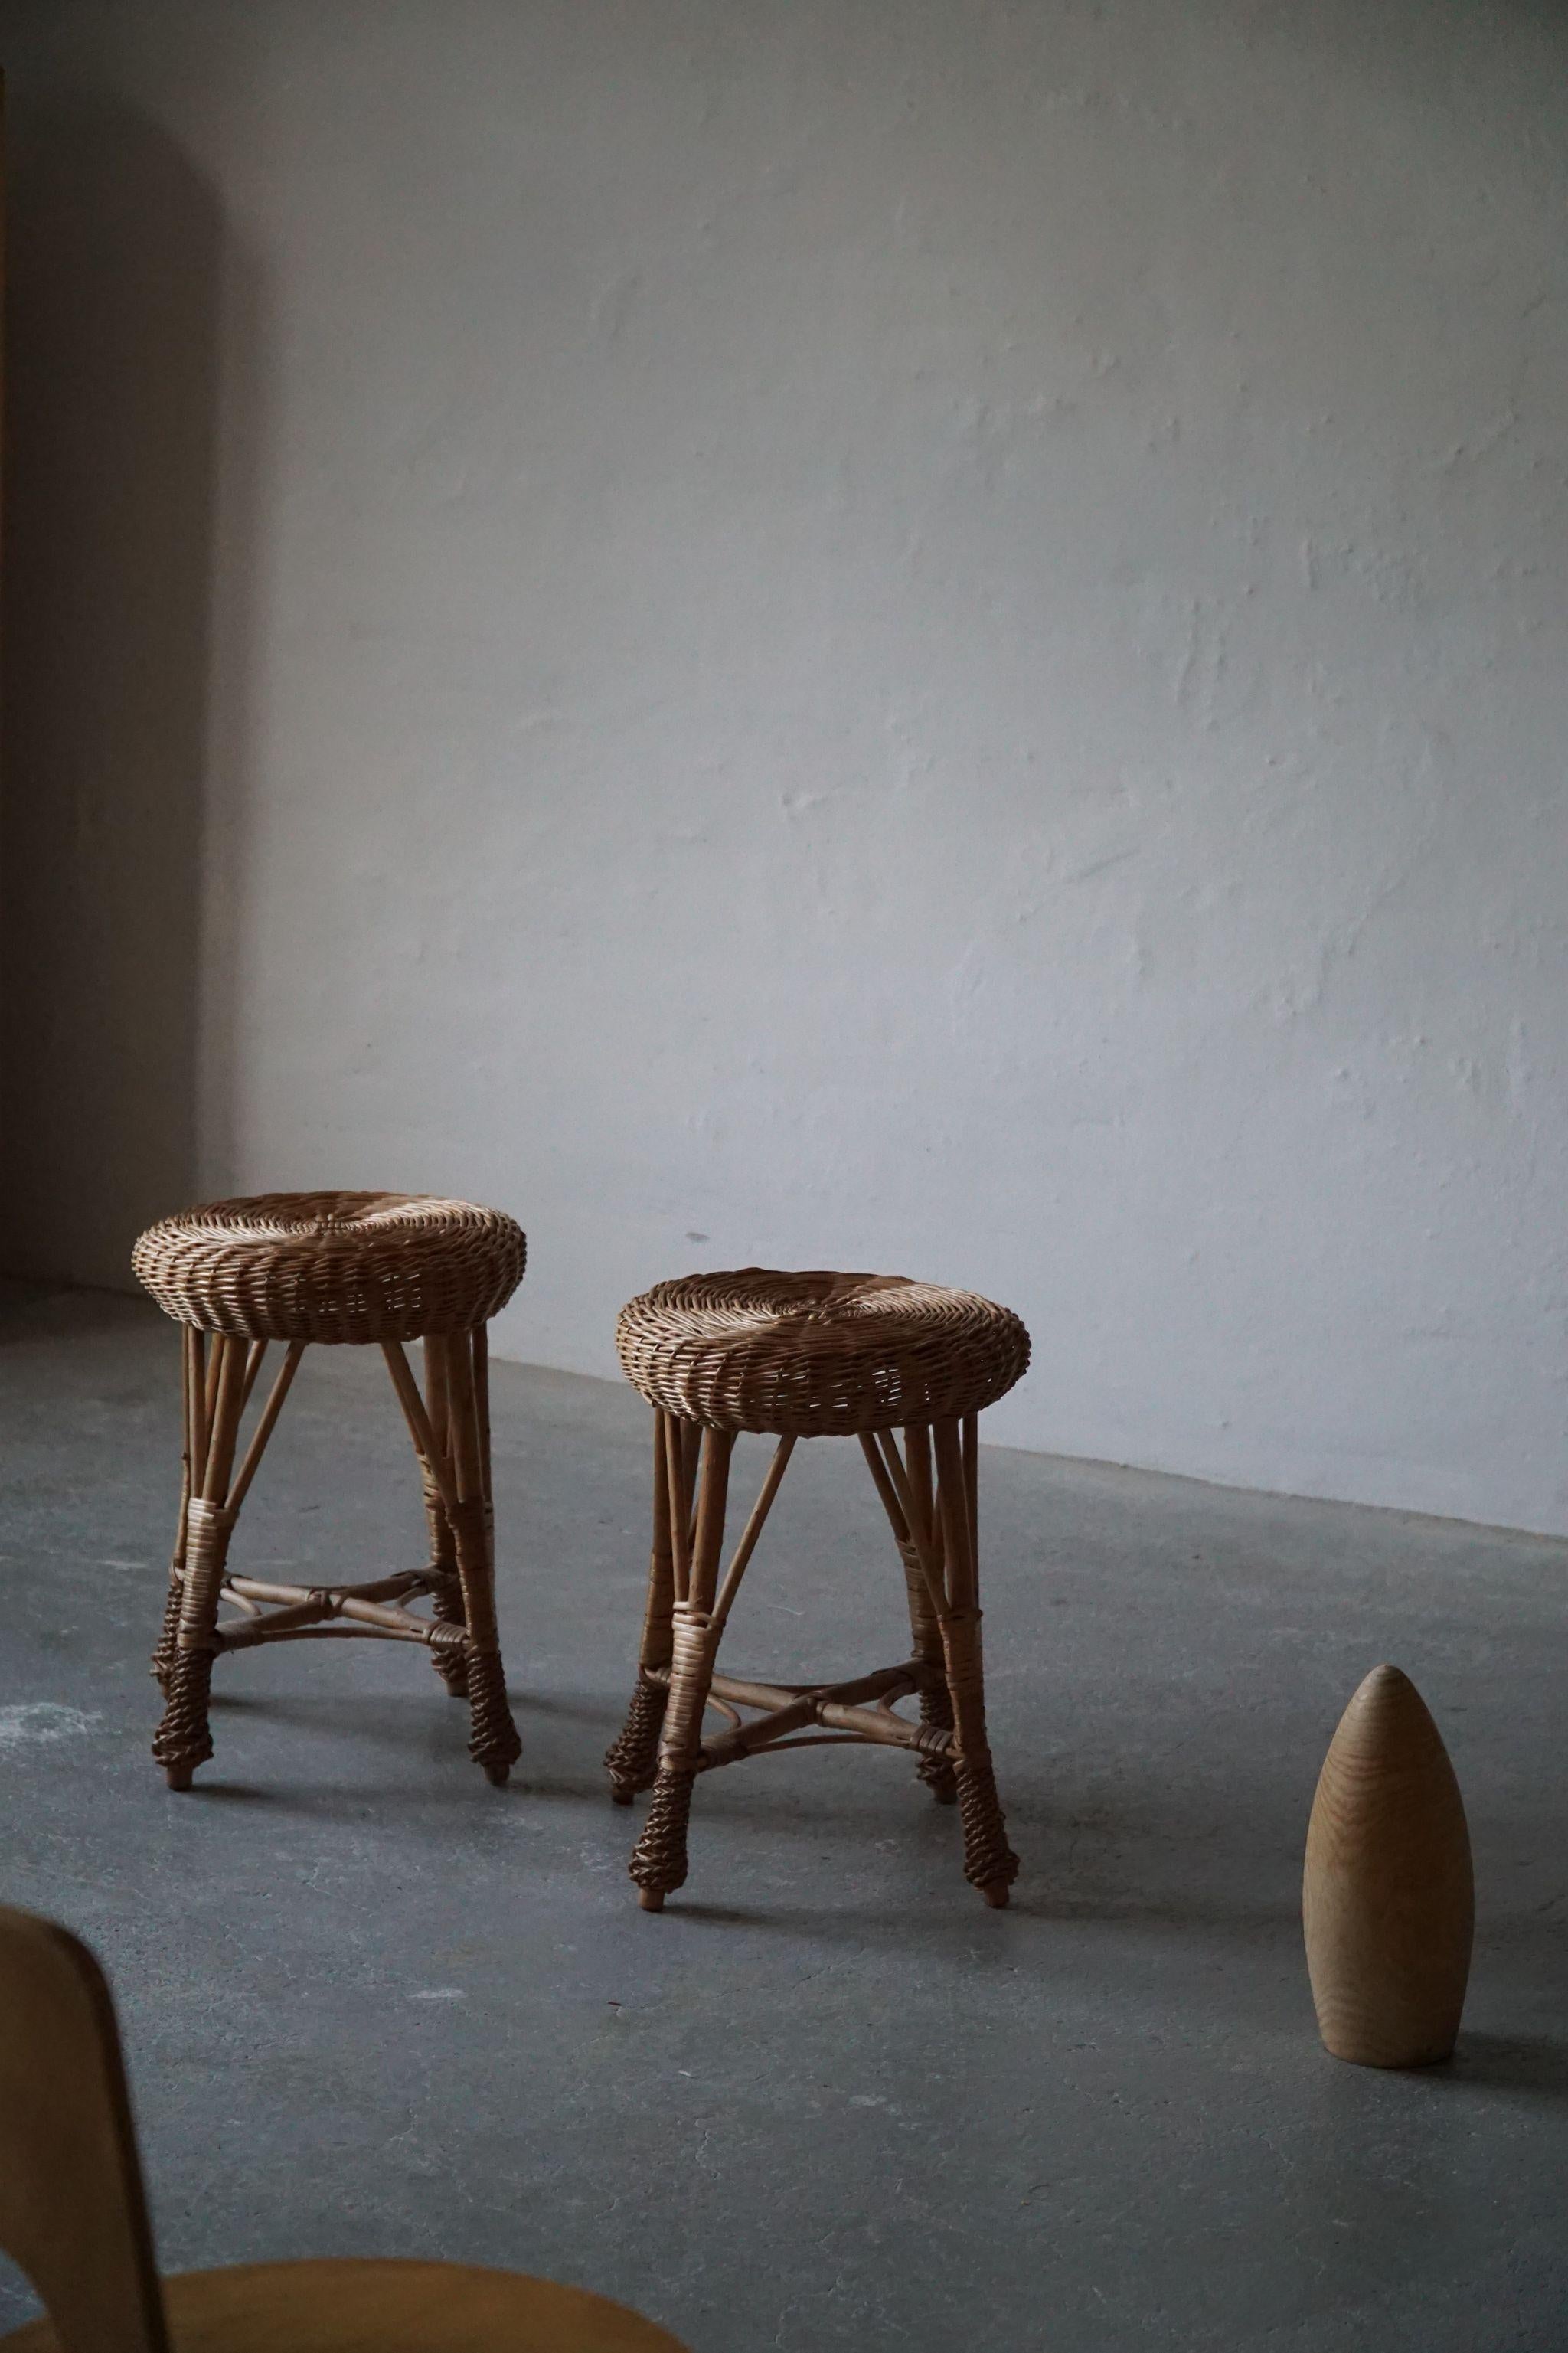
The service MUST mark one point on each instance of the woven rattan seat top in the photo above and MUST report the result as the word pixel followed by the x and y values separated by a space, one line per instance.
pixel 333 1266
pixel 818 1355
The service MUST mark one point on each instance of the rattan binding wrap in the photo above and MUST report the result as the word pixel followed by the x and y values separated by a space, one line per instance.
pixel 817 1354
pixel 332 1267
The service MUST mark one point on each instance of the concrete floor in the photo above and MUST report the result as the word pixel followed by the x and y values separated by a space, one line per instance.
pixel 373 2006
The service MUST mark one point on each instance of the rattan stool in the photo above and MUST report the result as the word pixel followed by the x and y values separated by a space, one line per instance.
pixel 812 1355
pixel 354 1268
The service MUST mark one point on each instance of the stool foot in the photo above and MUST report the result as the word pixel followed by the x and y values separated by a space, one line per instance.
pixel 658 1860
pixel 493 1742
pixel 632 1758
pixel 182 1740
pixel 498 1776
pixel 989 1862
pixel 652 1899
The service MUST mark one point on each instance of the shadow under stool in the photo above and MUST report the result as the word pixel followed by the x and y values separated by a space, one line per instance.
pixel 336 1269
pixel 812 1355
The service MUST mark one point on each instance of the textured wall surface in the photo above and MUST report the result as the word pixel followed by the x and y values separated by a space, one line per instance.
pixel 921 635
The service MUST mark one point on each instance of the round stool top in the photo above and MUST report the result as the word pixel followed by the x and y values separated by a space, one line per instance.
pixel 817 1356
pixel 333 1266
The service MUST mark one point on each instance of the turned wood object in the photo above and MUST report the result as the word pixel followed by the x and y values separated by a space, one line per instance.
pixel 799 1356
pixel 73 2216
pixel 1388 1901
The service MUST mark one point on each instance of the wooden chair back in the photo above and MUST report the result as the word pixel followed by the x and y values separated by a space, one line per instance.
pixel 72 2210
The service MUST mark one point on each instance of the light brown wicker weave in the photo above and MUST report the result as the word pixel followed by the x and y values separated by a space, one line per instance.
pixel 333 1267
pixel 818 1355
pixel 810 1355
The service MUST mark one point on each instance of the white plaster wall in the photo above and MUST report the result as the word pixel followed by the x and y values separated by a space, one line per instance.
pixel 923 634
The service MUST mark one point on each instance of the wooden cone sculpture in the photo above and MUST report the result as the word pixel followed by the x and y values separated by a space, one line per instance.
pixel 1388 1902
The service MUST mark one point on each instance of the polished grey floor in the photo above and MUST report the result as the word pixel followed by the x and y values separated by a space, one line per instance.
pixel 373 2006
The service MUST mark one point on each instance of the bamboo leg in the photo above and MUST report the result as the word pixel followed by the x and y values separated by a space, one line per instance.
pixel 451 1660
pixel 690 1434
pixel 168 1634
pixel 195 1405
pixel 252 1367
pixel 268 1422
pixel 483 1398
pixel 493 1738
pixel 210 1399
pixel 482 1411
pixel 632 1756
pixel 935 1770
pixel 183 1739
pixel 989 1862
pixel 658 1862
pixel 754 1529
pixel 192 1375
pixel 936 1700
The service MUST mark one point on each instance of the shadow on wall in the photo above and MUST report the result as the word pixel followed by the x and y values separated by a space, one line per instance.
pixel 126 305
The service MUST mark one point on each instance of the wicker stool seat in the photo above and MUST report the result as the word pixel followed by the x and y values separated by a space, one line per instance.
pixel 812 1355
pixel 817 1356
pixel 338 1268
pixel 332 1267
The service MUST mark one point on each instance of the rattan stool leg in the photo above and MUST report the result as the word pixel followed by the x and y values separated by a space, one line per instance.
pixel 450 1658
pixel 936 1699
pixel 659 1861
pixel 493 1739
pixel 925 1619
pixel 190 1375
pixel 935 1769
pixel 183 1739
pixel 632 1756
pixel 989 1862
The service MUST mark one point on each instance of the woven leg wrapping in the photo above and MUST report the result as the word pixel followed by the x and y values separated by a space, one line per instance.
pixel 989 1862
pixel 493 1739
pixel 449 1660
pixel 934 1768
pixel 632 1756
pixel 164 1655
pixel 183 1740
pixel 659 1861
